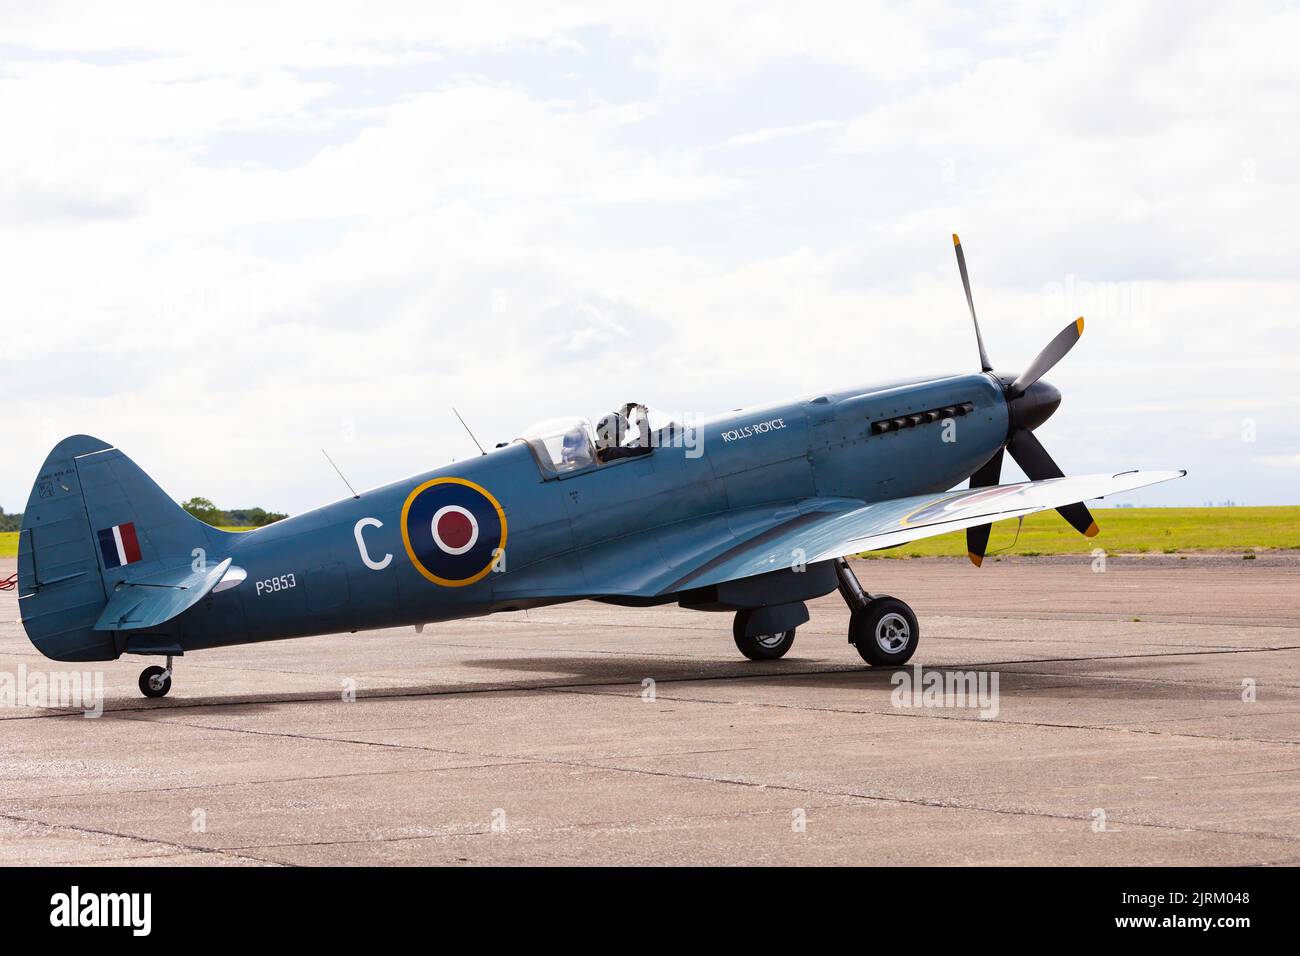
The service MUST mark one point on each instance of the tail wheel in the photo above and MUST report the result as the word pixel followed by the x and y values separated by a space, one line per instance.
pixel 155 681
pixel 760 647
pixel 885 632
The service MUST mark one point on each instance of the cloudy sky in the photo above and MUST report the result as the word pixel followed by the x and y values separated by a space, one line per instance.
pixel 228 243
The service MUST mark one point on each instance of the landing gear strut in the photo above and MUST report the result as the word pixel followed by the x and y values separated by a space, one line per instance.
pixel 156 681
pixel 882 628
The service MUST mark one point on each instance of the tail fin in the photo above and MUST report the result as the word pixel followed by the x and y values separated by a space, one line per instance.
pixel 94 520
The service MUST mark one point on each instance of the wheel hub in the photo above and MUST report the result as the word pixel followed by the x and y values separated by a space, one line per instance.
pixel 770 640
pixel 893 633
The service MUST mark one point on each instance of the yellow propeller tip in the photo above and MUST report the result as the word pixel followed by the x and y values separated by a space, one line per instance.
pixel 1092 531
pixel 975 559
pixel 1078 324
pixel 955 240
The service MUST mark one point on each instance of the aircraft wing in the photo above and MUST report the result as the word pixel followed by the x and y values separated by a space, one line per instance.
pixel 820 536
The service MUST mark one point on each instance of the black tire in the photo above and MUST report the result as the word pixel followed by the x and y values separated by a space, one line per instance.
pixel 764 647
pixel 885 632
pixel 146 678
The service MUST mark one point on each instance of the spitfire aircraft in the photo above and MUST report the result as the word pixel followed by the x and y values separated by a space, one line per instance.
pixel 752 513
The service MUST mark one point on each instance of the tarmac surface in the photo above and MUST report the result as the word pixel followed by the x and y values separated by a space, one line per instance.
pixel 1147 714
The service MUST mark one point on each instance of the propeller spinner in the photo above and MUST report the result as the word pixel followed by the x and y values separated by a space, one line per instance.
pixel 1030 402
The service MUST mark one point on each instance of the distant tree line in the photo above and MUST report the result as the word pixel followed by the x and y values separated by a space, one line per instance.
pixel 208 513
pixel 201 508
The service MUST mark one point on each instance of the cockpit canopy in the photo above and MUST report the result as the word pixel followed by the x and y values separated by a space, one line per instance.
pixel 561 445
pixel 565 445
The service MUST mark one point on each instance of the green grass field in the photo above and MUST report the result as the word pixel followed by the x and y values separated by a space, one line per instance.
pixel 1123 531
pixel 1130 531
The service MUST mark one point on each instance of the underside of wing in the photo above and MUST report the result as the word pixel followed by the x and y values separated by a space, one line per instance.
pixel 884 524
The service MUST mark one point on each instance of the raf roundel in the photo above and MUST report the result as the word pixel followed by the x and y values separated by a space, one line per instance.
pixel 454 531
pixel 945 505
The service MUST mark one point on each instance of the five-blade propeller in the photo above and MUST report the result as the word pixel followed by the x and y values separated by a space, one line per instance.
pixel 1030 402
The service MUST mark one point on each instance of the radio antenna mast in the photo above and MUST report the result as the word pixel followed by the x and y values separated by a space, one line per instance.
pixel 336 468
pixel 470 433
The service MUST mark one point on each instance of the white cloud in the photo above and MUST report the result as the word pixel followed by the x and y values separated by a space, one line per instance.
pixel 769 133
pixel 230 241
pixel 1280 461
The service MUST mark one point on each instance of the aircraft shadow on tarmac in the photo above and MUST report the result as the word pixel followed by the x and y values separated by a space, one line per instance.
pixel 1138 678
pixel 1099 678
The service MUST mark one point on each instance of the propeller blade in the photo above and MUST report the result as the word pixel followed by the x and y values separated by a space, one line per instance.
pixel 1080 519
pixel 1032 457
pixel 977 538
pixel 1043 362
pixel 1034 460
pixel 985 366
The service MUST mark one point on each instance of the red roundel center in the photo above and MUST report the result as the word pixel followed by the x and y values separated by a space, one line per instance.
pixel 454 529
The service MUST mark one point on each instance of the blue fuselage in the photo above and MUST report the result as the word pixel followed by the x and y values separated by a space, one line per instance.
pixel 370 562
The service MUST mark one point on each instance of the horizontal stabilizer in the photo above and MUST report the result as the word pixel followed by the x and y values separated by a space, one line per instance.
pixel 157 598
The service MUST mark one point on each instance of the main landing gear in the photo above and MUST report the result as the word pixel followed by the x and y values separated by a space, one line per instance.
pixel 882 628
pixel 156 681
